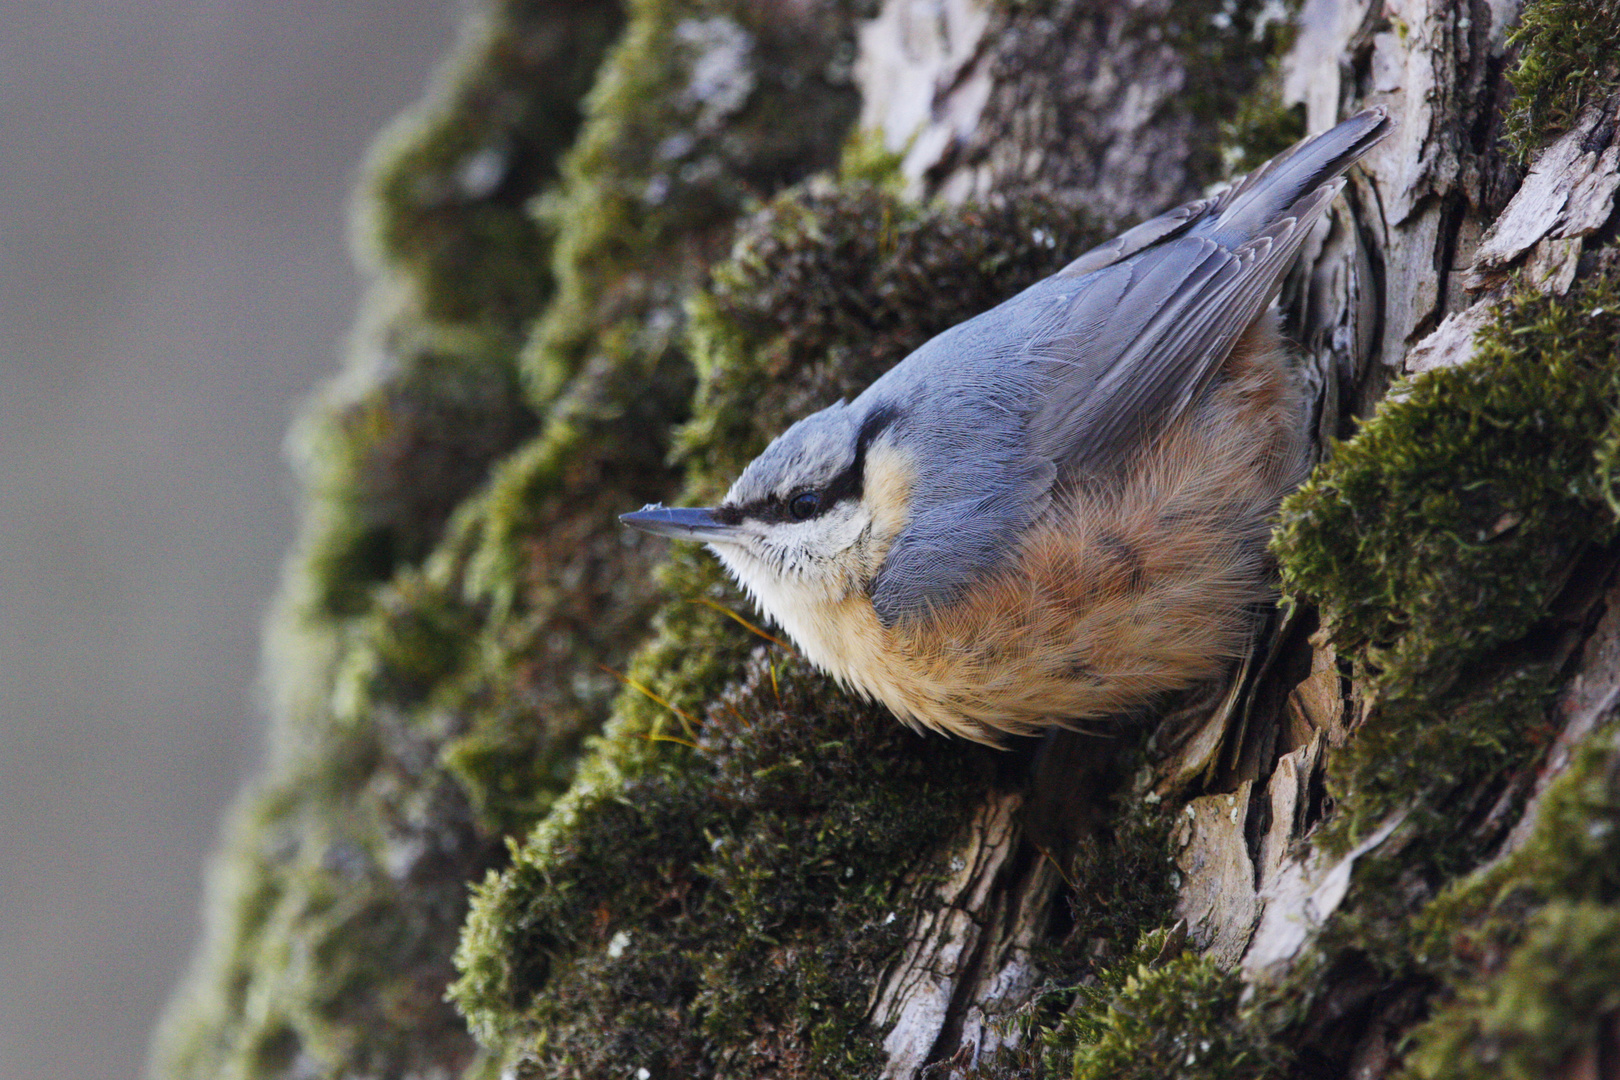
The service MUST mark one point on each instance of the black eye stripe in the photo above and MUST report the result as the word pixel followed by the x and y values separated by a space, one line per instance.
pixel 846 485
pixel 850 483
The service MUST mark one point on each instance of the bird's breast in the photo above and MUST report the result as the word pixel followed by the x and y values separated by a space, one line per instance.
pixel 1120 593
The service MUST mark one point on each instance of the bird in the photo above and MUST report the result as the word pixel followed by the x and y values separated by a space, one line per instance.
pixel 1057 511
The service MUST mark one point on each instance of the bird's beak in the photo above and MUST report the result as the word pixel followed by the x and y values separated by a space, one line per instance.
pixel 689 524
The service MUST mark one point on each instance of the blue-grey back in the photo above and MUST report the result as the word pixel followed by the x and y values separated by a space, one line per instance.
pixel 1072 375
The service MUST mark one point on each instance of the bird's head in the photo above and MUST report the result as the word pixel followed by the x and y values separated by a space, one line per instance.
pixel 808 522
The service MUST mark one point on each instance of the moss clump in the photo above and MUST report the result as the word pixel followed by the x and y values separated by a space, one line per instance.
pixel 1156 1014
pixel 1119 884
pixel 1440 535
pixel 1547 1002
pixel 563 596
pixel 720 909
pixel 1571 854
pixel 329 912
pixel 1529 949
pixel 1260 127
pixel 449 189
pixel 701 110
pixel 388 459
pixel 1123 874
pixel 1568 57
pixel 1232 49
pixel 431 397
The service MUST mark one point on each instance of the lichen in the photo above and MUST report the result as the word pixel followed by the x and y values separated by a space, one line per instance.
pixel 1568 56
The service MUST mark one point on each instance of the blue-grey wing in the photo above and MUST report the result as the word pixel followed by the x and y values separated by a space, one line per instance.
pixel 1084 365
pixel 1133 341
pixel 1144 335
pixel 1166 226
pixel 1178 310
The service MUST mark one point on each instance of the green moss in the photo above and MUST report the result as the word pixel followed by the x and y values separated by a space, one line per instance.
pixel 1156 1015
pixel 1568 57
pixel 1418 756
pixel 431 396
pixel 1548 1001
pixel 450 184
pixel 1232 49
pixel 701 108
pixel 709 910
pixel 867 161
pixel 1529 948
pixel 566 590
pixel 392 449
pixel 324 949
pixel 1260 127
pixel 1123 874
pixel 1571 855
pixel 1439 536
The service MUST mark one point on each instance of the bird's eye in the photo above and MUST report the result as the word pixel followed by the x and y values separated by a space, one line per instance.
pixel 804 505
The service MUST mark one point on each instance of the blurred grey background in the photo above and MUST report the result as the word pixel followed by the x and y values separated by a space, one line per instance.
pixel 174 278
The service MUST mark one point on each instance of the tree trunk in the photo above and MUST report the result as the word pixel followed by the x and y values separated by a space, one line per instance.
pixel 1388 843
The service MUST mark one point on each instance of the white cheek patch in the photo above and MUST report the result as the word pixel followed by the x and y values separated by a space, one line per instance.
pixel 840 528
pixel 802 565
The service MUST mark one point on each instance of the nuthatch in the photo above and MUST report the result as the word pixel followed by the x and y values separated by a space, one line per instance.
pixel 1057 510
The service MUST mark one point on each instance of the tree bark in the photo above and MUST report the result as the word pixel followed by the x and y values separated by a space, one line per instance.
pixel 1395 817
pixel 1413 262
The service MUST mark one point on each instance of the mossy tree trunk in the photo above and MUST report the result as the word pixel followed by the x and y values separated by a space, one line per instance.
pixel 1390 845
pixel 1400 714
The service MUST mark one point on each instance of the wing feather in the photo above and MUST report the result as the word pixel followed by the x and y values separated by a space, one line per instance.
pixel 1107 390
pixel 1124 338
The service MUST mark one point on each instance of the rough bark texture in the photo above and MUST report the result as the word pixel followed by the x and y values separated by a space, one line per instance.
pixel 1389 845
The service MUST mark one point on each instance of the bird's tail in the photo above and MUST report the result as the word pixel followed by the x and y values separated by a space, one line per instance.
pixel 1272 190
